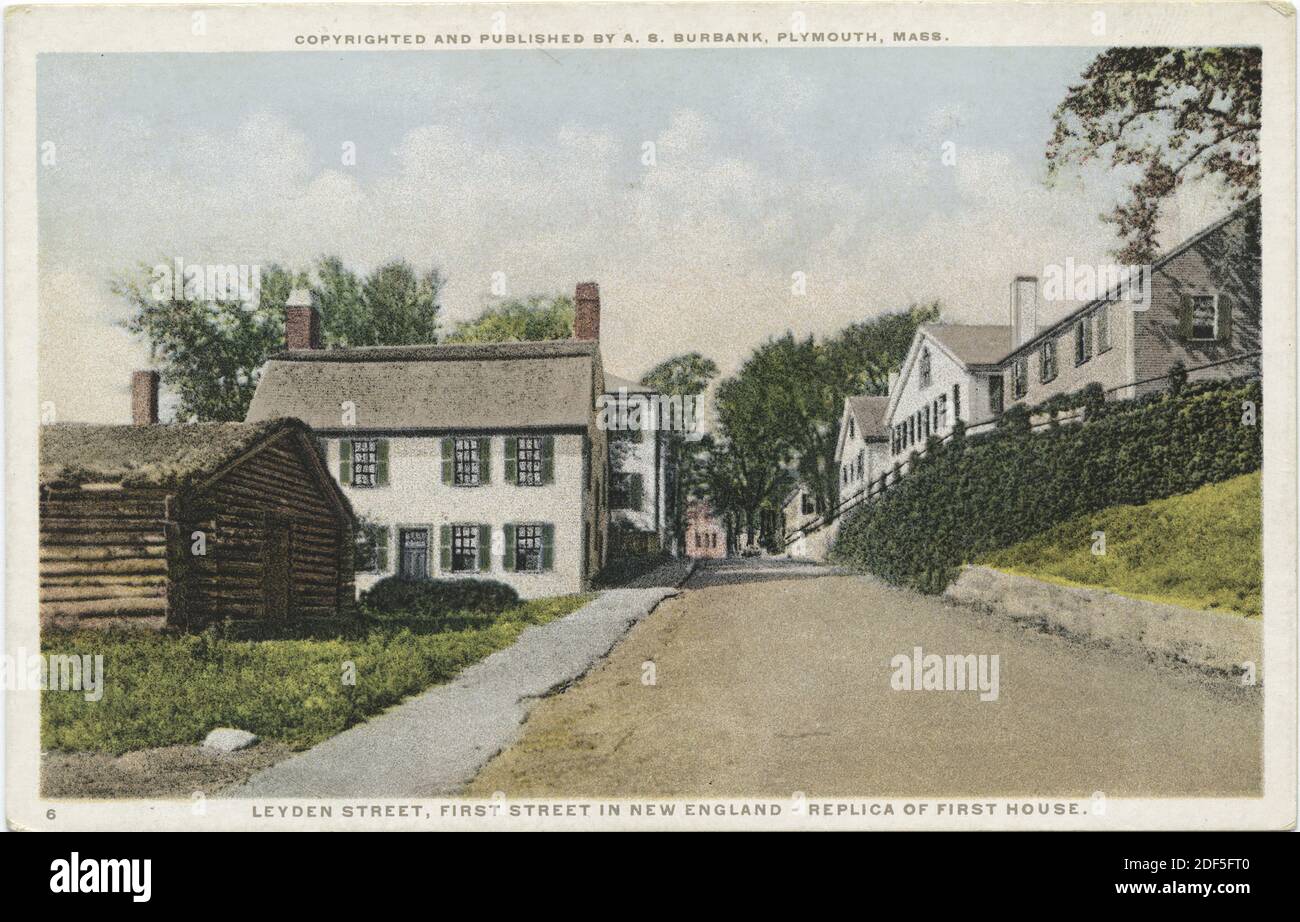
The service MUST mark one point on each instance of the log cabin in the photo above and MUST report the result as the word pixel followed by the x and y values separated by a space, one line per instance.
pixel 181 526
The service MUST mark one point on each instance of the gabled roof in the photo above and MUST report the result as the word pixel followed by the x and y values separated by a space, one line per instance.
pixel 972 344
pixel 167 457
pixel 460 386
pixel 869 413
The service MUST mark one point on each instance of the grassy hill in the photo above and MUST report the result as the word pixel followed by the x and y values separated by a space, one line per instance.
pixel 1200 550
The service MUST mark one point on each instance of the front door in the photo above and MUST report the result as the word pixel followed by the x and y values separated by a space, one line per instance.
pixel 276 578
pixel 414 562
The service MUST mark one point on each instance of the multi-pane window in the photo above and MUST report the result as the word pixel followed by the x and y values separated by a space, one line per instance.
pixel 466 463
pixel 1205 317
pixel 1083 340
pixel 1019 377
pixel 528 547
pixel 941 413
pixel 464 547
pixel 529 455
pixel 862 462
pixel 365 462
pixel 1103 328
pixel 1047 360
pixel 995 394
pixel 925 368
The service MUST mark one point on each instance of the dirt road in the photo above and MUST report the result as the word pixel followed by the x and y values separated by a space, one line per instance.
pixel 771 678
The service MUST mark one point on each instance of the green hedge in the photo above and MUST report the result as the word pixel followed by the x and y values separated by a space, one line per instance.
pixel 983 493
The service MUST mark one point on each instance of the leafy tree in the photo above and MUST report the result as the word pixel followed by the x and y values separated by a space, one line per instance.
pixel 689 373
pixel 1173 113
pixel 211 350
pixel 535 318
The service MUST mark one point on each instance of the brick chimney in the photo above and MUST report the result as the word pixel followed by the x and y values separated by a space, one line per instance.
pixel 144 398
pixel 301 320
pixel 1024 309
pixel 586 316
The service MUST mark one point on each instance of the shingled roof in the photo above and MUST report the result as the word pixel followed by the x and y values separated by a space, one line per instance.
pixel 461 386
pixel 869 412
pixel 973 344
pixel 169 457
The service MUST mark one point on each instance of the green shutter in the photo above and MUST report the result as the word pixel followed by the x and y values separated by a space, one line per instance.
pixel 448 459
pixel 508 557
pixel 548 546
pixel 485 460
pixel 485 548
pixel 381 548
pixel 444 556
pixel 381 462
pixel 548 459
pixel 345 462
pixel 1185 317
pixel 1225 318
pixel 512 460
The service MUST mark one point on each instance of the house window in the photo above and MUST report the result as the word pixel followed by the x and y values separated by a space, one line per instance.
pixel 625 491
pixel 699 542
pixel 941 413
pixel 862 460
pixel 850 427
pixel 464 548
pixel 995 394
pixel 1019 377
pixel 925 368
pixel 1047 361
pixel 1205 317
pixel 467 467
pixel 1083 340
pixel 956 402
pixel 529 547
pixel 806 504
pixel 1103 328
pixel 371 548
pixel 365 462
pixel 528 453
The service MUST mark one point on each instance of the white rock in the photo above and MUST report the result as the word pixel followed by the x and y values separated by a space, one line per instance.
pixel 228 739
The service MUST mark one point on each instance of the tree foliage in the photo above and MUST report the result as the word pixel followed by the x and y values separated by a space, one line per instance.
pixel 528 320
pixel 1171 113
pixel 778 417
pixel 210 351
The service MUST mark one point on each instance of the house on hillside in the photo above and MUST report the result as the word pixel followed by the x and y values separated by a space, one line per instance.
pixel 179 526
pixel 643 516
pixel 466 460
pixel 1199 306
pixel 862 451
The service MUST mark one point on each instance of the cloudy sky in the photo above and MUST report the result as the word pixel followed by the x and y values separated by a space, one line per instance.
pixel 826 162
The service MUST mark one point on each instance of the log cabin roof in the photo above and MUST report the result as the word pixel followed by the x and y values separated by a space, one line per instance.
pixel 162 456
pixel 461 386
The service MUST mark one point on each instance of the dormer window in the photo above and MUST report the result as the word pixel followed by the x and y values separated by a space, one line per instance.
pixel 925 368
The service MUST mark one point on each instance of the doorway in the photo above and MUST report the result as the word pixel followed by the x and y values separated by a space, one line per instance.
pixel 413 559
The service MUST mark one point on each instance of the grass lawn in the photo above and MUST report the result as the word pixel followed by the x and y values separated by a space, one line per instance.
pixel 164 690
pixel 1200 550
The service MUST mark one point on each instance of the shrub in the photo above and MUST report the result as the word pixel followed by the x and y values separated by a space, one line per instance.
pixel 430 597
pixel 1013 484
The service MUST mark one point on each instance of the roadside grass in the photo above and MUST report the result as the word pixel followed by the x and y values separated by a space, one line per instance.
pixel 288 685
pixel 1200 550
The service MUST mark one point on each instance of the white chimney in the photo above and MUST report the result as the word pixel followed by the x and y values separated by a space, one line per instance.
pixel 1024 309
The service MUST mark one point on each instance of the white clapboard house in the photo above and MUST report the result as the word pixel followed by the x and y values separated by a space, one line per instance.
pixel 468 460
